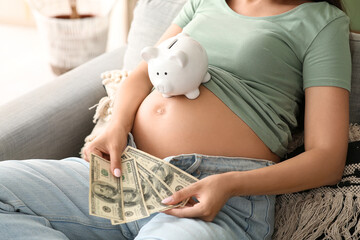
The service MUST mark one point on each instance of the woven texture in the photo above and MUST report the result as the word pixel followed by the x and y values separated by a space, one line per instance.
pixel 72 42
pixel 330 212
pixel 110 80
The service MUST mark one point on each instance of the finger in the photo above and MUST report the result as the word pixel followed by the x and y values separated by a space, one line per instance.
pixel 89 151
pixel 179 196
pixel 186 212
pixel 115 160
pixel 197 211
pixel 85 155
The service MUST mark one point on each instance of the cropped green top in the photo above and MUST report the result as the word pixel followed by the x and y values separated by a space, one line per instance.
pixel 260 66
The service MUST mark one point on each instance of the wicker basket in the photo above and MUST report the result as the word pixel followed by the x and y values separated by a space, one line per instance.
pixel 71 42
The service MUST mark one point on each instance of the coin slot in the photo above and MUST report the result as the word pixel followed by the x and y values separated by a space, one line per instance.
pixel 172 44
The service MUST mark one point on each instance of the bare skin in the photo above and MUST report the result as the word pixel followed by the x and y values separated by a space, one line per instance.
pixel 207 126
pixel 204 125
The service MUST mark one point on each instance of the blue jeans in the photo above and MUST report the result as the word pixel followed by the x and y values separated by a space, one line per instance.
pixel 48 199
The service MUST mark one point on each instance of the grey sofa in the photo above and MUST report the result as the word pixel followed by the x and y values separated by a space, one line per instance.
pixel 53 120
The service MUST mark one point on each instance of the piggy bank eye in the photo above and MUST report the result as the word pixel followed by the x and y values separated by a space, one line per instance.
pixel 157 73
pixel 165 73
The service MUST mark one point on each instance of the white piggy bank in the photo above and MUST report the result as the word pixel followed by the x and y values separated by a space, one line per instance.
pixel 177 66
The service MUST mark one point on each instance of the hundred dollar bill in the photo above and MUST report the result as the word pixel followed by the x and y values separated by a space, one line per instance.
pixel 160 187
pixel 172 176
pixel 124 157
pixel 105 191
pixel 151 196
pixel 158 184
pixel 134 203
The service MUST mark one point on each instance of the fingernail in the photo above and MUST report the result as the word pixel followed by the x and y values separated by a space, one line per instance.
pixel 117 172
pixel 167 200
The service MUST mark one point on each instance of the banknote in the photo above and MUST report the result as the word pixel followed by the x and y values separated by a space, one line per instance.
pixel 105 191
pixel 158 185
pixel 152 200
pixel 163 190
pixel 133 198
pixel 151 196
pixel 145 182
pixel 172 176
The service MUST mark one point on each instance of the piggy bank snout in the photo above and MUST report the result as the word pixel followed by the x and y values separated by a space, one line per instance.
pixel 160 88
pixel 160 81
pixel 163 86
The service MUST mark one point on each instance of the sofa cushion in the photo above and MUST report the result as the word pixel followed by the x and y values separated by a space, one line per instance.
pixel 151 19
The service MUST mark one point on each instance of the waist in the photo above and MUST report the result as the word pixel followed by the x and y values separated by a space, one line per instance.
pixel 198 163
pixel 173 126
pixel 205 164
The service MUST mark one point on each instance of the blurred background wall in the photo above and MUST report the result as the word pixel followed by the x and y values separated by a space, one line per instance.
pixel 17 12
pixel 352 8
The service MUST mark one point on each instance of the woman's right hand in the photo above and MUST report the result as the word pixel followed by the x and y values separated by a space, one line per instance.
pixel 110 144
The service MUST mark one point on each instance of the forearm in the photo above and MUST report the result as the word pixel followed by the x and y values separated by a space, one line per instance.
pixel 132 91
pixel 308 170
pixel 326 139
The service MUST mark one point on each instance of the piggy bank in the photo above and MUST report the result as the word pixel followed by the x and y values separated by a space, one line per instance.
pixel 177 66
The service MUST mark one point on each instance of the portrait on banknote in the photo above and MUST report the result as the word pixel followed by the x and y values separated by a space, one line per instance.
pixel 106 192
pixel 131 197
pixel 164 173
pixel 146 188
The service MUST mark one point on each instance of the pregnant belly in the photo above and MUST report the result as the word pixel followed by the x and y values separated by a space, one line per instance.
pixel 172 126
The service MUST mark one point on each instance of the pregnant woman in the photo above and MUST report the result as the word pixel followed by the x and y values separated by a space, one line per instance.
pixel 265 58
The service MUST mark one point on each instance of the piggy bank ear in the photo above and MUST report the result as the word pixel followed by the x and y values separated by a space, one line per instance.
pixel 149 53
pixel 180 58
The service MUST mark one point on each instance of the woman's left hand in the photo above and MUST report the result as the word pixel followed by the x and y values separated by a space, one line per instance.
pixel 211 192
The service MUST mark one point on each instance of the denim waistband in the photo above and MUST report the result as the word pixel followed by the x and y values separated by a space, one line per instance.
pixel 211 164
pixel 215 164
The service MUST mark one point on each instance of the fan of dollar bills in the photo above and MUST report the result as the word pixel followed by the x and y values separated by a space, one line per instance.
pixel 145 182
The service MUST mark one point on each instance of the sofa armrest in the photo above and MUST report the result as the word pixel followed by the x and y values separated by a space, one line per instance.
pixel 53 120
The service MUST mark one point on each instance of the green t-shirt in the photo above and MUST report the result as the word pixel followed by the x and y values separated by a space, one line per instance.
pixel 260 66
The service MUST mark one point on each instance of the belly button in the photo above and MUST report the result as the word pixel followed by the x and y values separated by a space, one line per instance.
pixel 160 111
